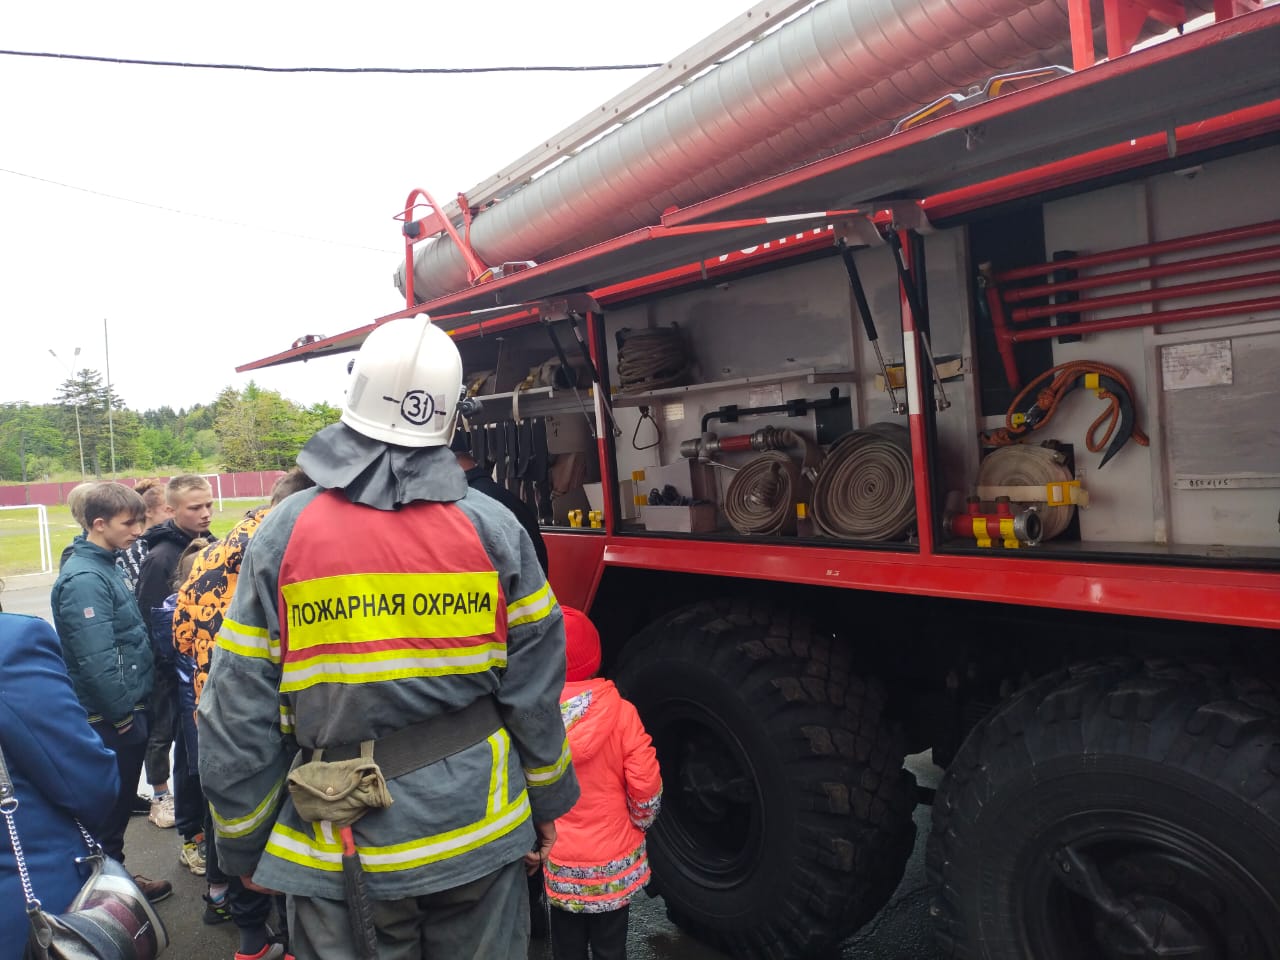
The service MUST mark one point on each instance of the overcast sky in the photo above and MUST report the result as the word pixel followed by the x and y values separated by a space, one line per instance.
pixel 329 157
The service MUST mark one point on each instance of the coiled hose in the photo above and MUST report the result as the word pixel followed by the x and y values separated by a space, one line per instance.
pixel 652 358
pixel 864 488
pixel 1027 465
pixel 762 496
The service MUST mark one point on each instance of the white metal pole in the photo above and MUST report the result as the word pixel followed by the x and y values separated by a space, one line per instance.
pixel 110 428
pixel 79 441
pixel 46 549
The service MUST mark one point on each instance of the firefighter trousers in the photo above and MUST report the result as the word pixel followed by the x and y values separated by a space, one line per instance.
pixel 486 919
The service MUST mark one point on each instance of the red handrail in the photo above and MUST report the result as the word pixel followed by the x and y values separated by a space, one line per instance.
pixel 1150 319
pixel 1213 238
pixel 1177 292
pixel 999 295
pixel 431 225
pixel 1239 257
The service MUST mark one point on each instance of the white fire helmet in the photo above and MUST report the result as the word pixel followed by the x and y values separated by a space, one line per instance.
pixel 406 382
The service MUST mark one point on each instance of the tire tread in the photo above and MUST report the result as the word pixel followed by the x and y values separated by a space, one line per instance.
pixel 1218 725
pixel 844 760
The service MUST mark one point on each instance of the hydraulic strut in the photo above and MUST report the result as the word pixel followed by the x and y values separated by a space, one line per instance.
pixel 868 322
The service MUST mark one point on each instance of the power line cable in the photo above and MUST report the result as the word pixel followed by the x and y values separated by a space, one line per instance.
pixel 543 68
pixel 200 216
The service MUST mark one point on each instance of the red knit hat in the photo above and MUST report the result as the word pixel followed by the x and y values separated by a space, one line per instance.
pixel 581 645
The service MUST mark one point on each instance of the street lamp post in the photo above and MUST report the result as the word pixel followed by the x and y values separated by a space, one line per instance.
pixel 72 375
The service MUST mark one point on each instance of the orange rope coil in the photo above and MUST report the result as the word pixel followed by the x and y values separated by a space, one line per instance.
pixel 1063 377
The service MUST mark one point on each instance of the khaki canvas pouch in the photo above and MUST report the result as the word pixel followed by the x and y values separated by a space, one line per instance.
pixel 340 791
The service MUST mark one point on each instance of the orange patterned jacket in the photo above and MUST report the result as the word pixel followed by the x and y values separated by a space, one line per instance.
pixel 207 593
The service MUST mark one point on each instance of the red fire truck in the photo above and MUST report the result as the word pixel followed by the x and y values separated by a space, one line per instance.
pixel 894 387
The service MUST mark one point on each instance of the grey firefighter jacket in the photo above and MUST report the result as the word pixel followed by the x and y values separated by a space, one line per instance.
pixel 105 642
pixel 350 622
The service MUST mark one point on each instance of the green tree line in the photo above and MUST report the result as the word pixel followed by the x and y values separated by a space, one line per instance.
pixel 88 427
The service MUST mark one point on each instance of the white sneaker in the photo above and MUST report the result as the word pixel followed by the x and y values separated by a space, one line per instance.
pixel 162 811
pixel 192 857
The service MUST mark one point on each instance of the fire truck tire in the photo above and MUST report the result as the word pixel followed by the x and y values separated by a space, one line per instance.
pixel 1115 809
pixel 786 816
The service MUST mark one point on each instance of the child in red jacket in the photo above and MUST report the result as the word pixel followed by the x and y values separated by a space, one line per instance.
pixel 598 863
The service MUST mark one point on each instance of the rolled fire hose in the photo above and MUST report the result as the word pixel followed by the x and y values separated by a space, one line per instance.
pixel 762 496
pixel 864 488
pixel 1021 473
pixel 652 358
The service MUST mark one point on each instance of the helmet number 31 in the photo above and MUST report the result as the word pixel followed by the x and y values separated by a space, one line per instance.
pixel 417 406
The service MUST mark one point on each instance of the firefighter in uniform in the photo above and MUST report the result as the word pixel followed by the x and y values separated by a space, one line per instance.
pixel 393 647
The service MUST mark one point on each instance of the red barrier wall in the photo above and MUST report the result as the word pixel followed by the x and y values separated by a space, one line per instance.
pixel 256 485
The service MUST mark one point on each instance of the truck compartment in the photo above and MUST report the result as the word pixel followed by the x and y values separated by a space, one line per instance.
pixel 775 371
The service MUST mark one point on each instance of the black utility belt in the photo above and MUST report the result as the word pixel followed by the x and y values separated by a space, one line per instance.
pixel 409 748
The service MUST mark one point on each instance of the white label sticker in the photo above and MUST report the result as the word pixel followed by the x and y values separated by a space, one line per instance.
pixel 1188 365
pixel 766 396
pixel 1244 481
pixel 671 412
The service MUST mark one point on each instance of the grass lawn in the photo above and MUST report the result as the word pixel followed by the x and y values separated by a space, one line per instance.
pixel 20 537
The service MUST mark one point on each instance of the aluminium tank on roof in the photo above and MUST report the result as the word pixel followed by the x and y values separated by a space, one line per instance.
pixel 839 74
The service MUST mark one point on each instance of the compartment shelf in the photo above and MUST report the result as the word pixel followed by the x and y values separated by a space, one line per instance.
pixel 810 375
pixel 541 401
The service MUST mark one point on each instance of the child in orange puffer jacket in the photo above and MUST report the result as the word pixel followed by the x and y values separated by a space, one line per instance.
pixel 599 863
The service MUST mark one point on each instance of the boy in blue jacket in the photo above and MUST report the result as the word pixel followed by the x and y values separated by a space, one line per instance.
pixel 107 649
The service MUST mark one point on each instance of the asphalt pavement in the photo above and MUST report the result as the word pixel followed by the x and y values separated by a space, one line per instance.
pixel 901 931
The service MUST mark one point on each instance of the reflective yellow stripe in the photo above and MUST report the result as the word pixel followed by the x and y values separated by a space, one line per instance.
pixel 542 776
pixel 247 641
pixel 375 606
pixel 243 629
pixel 242 826
pixel 296 847
pixel 370 668
pixel 286 719
pixel 316 854
pixel 535 606
pixel 441 657
pixel 499 749
pixel 323 831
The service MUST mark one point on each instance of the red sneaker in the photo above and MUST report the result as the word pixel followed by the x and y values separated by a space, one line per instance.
pixel 271 951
